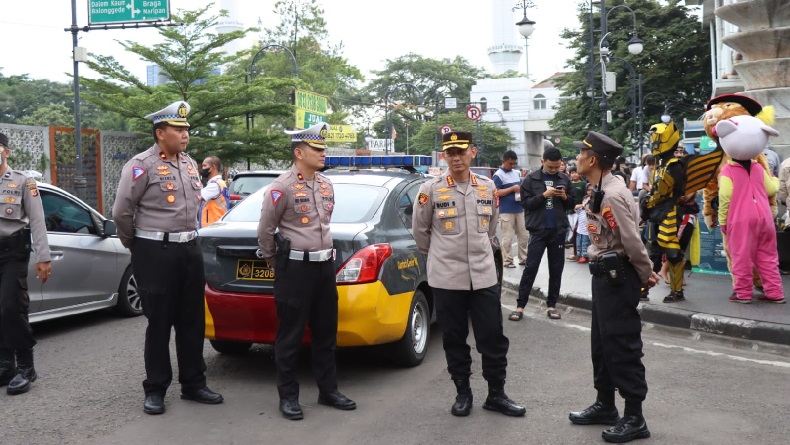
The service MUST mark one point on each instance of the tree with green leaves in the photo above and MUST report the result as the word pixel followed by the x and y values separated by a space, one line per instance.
pixel 188 55
pixel 491 138
pixel 674 65
pixel 412 80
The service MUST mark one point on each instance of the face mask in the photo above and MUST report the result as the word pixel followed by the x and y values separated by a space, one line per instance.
pixel 204 172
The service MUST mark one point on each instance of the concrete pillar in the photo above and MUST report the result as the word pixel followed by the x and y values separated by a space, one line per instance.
pixel 764 42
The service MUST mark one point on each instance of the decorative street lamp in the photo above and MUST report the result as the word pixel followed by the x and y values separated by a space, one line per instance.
pixel 525 28
pixel 635 46
pixel 259 55
pixel 387 124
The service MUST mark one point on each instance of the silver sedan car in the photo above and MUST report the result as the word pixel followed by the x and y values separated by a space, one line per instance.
pixel 91 270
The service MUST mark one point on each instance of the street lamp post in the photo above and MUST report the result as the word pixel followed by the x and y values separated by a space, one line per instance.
pixel 525 28
pixel 665 118
pixel 422 110
pixel 259 55
pixel 635 46
pixel 387 123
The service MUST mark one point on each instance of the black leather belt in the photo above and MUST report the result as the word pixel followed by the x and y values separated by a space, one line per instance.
pixel 15 239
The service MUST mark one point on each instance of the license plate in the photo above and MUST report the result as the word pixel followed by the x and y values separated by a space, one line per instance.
pixel 254 270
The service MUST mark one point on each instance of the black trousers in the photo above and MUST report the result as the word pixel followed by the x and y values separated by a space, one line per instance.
pixel 454 308
pixel 305 294
pixel 552 241
pixel 616 341
pixel 171 283
pixel 15 330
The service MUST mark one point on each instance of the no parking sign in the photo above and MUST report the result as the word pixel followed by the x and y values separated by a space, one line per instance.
pixel 473 112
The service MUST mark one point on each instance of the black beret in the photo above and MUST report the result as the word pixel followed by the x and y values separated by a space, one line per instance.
pixel 456 139
pixel 751 105
pixel 601 144
pixel 3 140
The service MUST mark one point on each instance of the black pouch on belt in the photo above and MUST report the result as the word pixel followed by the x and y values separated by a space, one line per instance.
pixel 283 250
pixel 613 266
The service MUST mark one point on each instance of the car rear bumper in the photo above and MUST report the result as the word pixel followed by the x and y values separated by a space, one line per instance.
pixel 367 315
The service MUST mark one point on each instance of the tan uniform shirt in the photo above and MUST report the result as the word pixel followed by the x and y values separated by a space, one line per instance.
pixel 784 182
pixel 157 194
pixel 21 206
pixel 454 228
pixel 616 228
pixel 301 208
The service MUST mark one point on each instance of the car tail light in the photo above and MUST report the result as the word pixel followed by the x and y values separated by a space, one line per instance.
pixel 365 265
pixel 235 197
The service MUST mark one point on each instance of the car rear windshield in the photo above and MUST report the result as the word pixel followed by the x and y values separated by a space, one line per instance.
pixel 247 185
pixel 353 203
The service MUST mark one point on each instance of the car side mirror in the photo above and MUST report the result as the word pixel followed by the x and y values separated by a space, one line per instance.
pixel 109 228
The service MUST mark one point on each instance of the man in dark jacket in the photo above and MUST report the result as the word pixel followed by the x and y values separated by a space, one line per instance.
pixel 545 200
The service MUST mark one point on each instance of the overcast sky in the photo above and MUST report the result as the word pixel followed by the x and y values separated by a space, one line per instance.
pixel 371 32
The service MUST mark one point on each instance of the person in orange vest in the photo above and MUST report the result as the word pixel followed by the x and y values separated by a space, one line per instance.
pixel 214 197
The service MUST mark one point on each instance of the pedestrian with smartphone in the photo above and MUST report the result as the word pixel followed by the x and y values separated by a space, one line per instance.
pixel 545 204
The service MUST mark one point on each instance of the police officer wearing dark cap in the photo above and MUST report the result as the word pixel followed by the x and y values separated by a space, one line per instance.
pixel 298 205
pixel 21 215
pixel 454 221
pixel 620 267
pixel 156 209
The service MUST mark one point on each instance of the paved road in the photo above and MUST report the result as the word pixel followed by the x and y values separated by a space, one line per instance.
pixel 90 370
pixel 706 309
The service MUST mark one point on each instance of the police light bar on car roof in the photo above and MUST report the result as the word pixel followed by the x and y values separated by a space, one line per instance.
pixel 407 162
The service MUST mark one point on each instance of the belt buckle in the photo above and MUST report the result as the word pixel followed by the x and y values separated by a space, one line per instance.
pixel 183 237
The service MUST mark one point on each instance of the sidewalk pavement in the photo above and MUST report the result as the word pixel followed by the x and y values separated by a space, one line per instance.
pixel 706 309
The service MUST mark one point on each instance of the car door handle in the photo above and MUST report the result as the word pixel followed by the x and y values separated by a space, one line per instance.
pixel 56 254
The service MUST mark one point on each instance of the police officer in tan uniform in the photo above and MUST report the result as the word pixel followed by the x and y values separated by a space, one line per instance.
pixel 21 214
pixel 156 213
pixel 620 267
pixel 453 222
pixel 299 203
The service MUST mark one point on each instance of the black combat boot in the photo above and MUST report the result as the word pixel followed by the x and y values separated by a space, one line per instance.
pixel 631 426
pixel 463 401
pixel 7 366
pixel 602 412
pixel 25 373
pixel 497 400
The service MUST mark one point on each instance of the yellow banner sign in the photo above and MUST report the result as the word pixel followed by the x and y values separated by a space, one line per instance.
pixel 341 134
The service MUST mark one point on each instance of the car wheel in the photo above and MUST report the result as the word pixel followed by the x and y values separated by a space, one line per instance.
pixel 411 349
pixel 129 303
pixel 230 347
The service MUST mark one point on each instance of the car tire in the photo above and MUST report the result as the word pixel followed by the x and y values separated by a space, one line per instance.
pixel 410 350
pixel 230 347
pixel 129 302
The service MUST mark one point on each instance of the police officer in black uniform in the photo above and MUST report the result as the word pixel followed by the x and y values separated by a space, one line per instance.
pixel 156 209
pixel 620 267
pixel 21 215
pixel 299 204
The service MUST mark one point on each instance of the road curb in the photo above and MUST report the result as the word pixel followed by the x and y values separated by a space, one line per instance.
pixel 679 318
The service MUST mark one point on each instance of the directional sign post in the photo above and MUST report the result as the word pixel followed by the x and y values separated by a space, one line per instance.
pixel 103 12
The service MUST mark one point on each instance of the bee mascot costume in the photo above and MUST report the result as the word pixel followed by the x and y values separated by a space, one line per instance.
pixel 670 207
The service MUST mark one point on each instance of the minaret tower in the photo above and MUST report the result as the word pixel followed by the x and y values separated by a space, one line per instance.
pixel 504 52
pixel 230 23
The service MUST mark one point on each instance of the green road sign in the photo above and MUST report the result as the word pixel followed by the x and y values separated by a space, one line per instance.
pixel 102 12
pixel 305 119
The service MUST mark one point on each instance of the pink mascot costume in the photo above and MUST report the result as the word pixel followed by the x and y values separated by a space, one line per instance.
pixel 744 213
